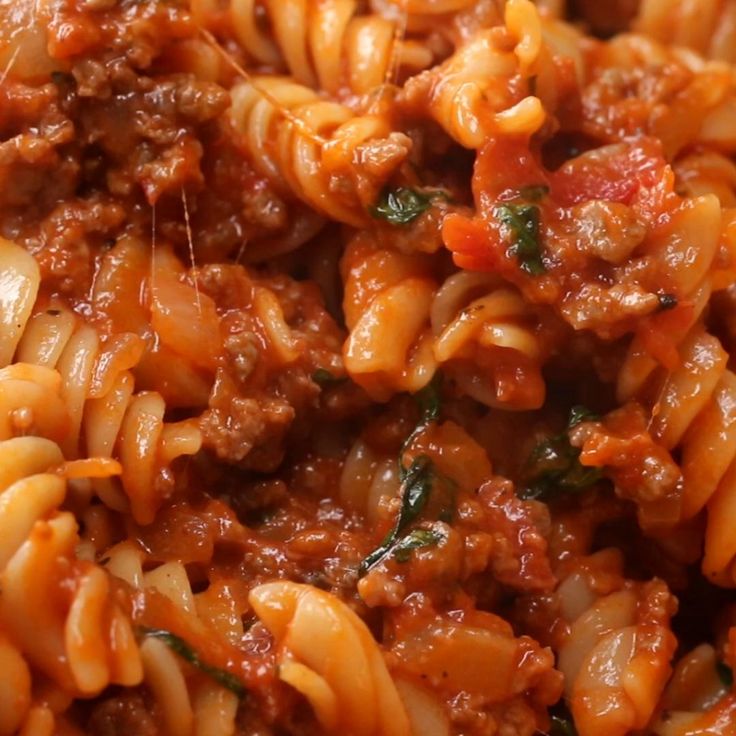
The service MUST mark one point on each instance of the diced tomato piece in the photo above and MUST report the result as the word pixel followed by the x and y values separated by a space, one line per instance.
pixel 502 168
pixel 470 244
pixel 614 178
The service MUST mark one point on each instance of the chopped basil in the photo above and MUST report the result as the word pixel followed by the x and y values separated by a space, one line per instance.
pixel 186 652
pixel 430 404
pixel 415 540
pixel 522 221
pixel 554 464
pixel 534 192
pixel 562 726
pixel 580 414
pixel 402 205
pixel 725 673
pixel 62 79
pixel 322 377
pixel 666 301
pixel 416 486
pixel 430 400
pixel 417 481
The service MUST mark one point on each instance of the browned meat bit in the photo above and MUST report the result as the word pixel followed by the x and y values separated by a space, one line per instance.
pixel 266 382
pixel 641 470
pixel 65 242
pixel 234 426
pixel 32 130
pixel 125 714
pixel 518 556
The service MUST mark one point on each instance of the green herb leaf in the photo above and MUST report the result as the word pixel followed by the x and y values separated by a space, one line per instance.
pixel 534 192
pixel 554 464
pixel 401 206
pixel 416 539
pixel 579 414
pixel 185 651
pixel 417 481
pixel 322 377
pixel 666 301
pixel 430 404
pixel 522 220
pixel 430 400
pixel 561 726
pixel 725 673
pixel 416 486
pixel 62 79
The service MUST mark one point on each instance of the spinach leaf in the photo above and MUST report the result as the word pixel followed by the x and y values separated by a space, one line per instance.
pixel 725 673
pixel 186 652
pixel 580 414
pixel 554 464
pixel 562 726
pixel 416 539
pixel 416 485
pixel 429 401
pixel 323 378
pixel 401 206
pixel 417 481
pixel 522 221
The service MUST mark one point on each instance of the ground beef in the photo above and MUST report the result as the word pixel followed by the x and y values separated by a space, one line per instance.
pixel 125 714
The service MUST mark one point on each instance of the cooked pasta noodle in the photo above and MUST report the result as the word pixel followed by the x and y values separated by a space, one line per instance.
pixel 293 134
pixel 328 45
pixel 468 322
pixel 626 628
pixel 87 642
pixel 472 98
pixel 709 28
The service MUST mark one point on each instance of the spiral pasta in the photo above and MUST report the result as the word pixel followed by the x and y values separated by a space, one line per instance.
pixel 308 147
pixel 627 627
pixel 470 321
pixel 478 322
pixel 432 462
pixel 94 386
pixel 344 678
pixel 191 705
pixel 691 412
pixel 401 286
pixel 708 28
pixel 471 95
pixel 699 106
pixel 696 699
pixel 58 615
pixel 327 45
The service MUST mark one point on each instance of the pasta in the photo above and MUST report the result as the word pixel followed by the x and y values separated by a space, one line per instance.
pixel 317 137
pixel 471 100
pixel 465 323
pixel 627 628
pixel 707 28
pixel 366 368
pixel 86 643
pixel 321 639
pixel 326 45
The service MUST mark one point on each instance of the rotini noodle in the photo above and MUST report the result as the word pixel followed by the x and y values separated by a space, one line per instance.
pixel 709 28
pixel 472 99
pixel 327 45
pixel 328 654
pixel 308 146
